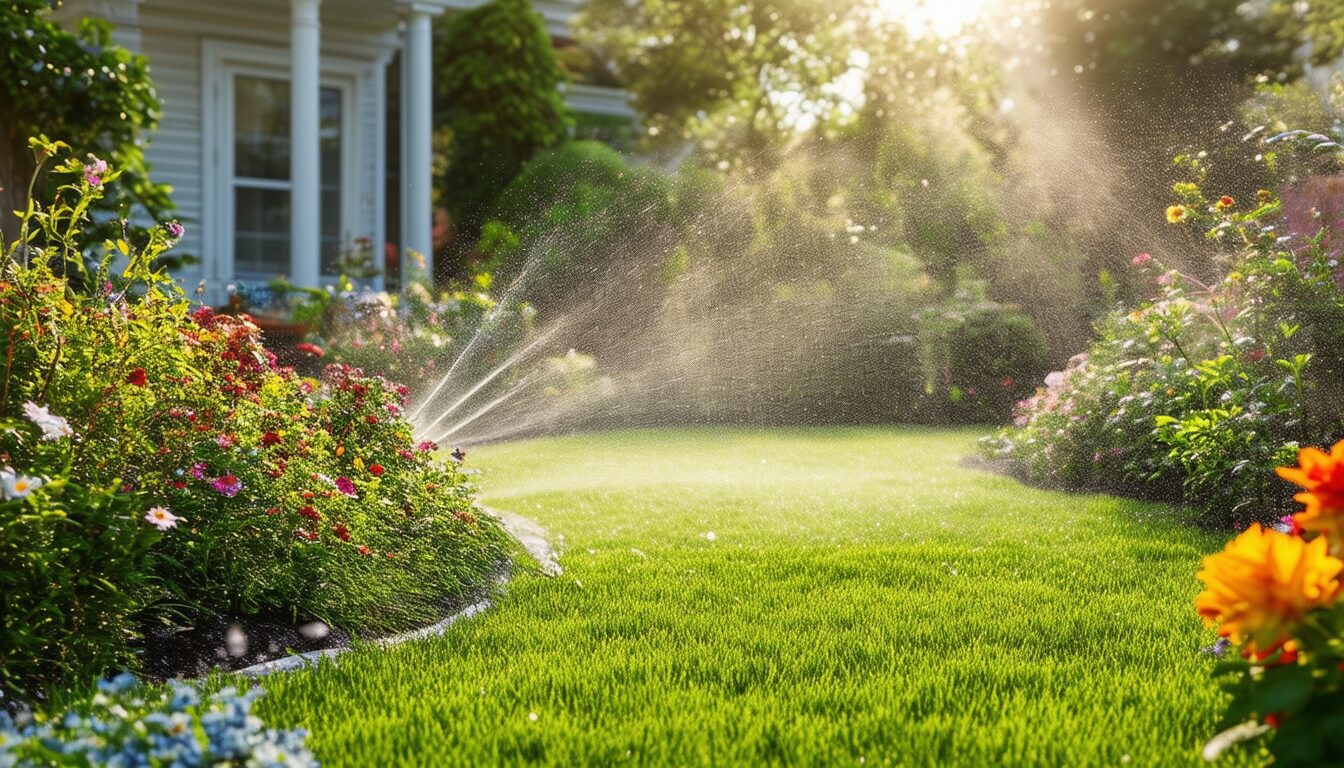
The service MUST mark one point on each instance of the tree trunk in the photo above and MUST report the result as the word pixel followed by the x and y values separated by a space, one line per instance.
pixel 16 170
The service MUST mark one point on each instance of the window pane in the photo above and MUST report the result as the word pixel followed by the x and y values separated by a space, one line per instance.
pixel 261 128
pixel 331 140
pixel 261 232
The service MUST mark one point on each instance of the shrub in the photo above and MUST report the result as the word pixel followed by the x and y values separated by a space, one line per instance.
pixel 165 460
pixel 83 89
pixel 979 358
pixel 415 336
pixel 1202 389
pixel 499 99
pixel 570 216
pixel 126 724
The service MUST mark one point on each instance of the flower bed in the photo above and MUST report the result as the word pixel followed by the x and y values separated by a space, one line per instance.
pixel 1200 391
pixel 158 464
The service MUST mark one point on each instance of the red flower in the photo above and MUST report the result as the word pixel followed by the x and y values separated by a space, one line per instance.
pixel 376 469
pixel 391 555
pixel 1006 382
pixel 371 419
pixel 310 513
pixel 137 377
pixel 310 349
pixel 273 511
pixel 363 550
pixel 341 532
pixel 306 535
pixel 270 438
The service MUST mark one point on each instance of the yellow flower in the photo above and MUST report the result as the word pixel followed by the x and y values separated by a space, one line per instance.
pixel 1263 583
pixel 359 463
pixel 1175 214
pixel 1321 474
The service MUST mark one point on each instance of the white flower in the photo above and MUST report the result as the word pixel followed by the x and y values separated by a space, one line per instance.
pixel 161 518
pixel 53 427
pixel 17 486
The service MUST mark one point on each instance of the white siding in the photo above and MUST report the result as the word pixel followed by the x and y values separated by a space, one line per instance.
pixel 172 33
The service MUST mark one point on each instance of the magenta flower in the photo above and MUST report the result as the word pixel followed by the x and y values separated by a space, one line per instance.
pixel 228 485
pixel 346 486
pixel 93 172
pixel 175 230
pixel 198 470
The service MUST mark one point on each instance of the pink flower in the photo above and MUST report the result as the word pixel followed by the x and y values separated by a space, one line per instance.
pixel 310 349
pixel 174 229
pixel 346 486
pixel 198 470
pixel 228 485
pixel 93 172
pixel 1141 259
pixel 224 441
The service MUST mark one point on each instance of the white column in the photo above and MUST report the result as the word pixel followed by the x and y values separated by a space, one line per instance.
pixel 417 115
pixel 305 159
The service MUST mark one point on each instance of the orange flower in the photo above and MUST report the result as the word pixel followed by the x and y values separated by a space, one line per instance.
pixel 1263 583
pixel 1322 475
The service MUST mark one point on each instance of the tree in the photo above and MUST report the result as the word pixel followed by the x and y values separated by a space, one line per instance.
pixel 498 99
pixel 79 88
pixel 737 76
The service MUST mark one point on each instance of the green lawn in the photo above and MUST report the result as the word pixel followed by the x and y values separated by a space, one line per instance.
pixel 863 599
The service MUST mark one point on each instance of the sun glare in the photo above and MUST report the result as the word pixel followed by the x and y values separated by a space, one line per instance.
pixel 943 18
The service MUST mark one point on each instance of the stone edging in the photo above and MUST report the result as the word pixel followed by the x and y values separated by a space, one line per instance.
pixel 526 532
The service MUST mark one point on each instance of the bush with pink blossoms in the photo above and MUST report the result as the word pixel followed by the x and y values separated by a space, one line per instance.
pixel 1199 392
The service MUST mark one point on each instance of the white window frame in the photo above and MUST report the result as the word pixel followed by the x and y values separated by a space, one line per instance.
pixel 222 61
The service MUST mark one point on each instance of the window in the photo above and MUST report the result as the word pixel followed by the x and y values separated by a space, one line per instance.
pixel 261 183
pixel 247 189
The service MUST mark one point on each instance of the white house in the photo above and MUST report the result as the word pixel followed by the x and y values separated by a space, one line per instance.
pixel 292 127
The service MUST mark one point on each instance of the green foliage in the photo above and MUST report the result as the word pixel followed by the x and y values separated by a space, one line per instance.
pixel 979 358
pixel 498 98
pixel 414 336
pixel 589 193
pixel 1205 388
pixel 272 494
pixel 1288 703
pixel 76 576
pixel 715 72
pixel 82 89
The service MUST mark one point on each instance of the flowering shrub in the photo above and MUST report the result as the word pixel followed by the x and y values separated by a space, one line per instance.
pixel 126 724
pixel 1274 593
pixel 415 337
pixel 1198 392
pixel 153 453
